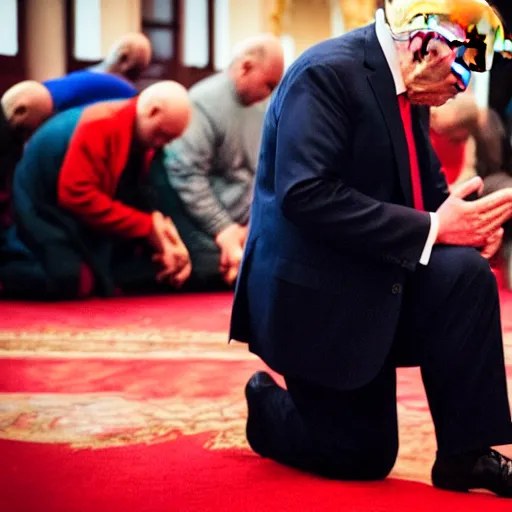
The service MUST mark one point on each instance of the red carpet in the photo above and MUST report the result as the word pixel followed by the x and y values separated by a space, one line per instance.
pixel 137 405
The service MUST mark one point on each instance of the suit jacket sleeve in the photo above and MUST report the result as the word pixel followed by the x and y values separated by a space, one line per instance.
pixel 188 161
pixel 440 187
pixel 314 129
pixel 81 192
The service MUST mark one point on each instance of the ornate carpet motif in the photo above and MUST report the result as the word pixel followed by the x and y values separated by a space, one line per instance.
pixel 112 419
pixel 103 420
pixel 145 383
pixel 117 343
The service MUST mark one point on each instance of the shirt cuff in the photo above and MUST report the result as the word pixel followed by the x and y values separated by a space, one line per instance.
pixel 431 239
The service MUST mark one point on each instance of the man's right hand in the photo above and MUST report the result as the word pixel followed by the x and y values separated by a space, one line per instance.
pixel 231 241
pixel 170 251
pixel 473 223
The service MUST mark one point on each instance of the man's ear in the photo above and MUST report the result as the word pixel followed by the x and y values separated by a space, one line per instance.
pixel 19 112
pixel 247 66
pixel 153 111
pixel 124 61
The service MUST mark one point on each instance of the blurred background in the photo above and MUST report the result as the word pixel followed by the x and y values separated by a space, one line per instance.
pixel 191 38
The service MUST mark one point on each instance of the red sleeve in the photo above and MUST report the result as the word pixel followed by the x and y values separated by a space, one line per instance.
pixel 80 191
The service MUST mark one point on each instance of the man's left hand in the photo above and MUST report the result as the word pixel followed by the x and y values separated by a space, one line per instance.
pixel 493 244
pixel 172 254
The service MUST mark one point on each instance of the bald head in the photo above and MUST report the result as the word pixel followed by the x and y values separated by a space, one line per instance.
pixel 129 56
pixel 257 67
pixel 26 106
pixel 163 113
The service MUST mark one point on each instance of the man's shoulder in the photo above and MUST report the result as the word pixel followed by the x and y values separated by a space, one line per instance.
pixel 103 122
pixel 106 113
pixel 212 86
pixel 214 95
pixel 82 87
pixel 337 62
pixel 57 126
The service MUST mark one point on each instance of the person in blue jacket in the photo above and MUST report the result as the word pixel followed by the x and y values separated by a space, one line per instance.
pixel 111 79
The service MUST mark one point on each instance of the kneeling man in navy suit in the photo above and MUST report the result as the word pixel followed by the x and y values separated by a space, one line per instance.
pixel 359 260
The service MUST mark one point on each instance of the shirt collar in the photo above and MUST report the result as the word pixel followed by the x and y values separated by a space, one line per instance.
pixel 387 44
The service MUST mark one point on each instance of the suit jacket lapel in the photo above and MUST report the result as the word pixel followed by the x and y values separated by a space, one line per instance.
pixel 383 86
pixel 432 180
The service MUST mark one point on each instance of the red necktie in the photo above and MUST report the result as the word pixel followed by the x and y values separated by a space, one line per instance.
pixel 405 111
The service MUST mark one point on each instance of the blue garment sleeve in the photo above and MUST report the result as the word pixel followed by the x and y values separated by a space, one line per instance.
pixel 86 87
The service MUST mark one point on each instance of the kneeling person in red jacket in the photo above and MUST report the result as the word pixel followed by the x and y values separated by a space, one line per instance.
pixel 86 219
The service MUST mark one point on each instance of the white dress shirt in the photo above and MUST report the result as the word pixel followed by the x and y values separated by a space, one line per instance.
pixel 388 47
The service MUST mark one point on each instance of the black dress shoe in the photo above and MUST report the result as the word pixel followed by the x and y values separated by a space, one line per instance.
pixel 259 381
pixel 255 429
pixel 490 471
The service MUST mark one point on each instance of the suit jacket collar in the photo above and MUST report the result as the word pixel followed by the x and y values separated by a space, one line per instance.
pixel 383 86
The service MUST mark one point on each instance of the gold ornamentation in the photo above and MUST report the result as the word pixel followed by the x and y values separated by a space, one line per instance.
pixel 130 342
pixel 357 13
pixel 278 10
pixel 101 420
pixel 104 420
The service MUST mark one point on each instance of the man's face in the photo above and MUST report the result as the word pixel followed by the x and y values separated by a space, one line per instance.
pixel 25 122
pixel 158 129
pixel 257 78
pixel 429 80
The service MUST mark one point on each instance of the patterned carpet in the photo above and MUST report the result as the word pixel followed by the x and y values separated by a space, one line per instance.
pixel 150 371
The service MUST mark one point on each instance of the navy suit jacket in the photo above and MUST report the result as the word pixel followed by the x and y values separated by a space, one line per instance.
pixel 333 235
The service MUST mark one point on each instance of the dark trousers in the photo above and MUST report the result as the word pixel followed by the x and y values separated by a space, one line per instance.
pixel 450 327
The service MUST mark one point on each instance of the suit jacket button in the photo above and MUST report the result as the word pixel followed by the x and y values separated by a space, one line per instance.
pixel 396 289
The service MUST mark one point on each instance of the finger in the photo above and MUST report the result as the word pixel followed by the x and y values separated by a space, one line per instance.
pixel 224 259
pixel 179 279
pixel 181 264
pixel 157 216
pixel 498 223
pixel 169 270
pixel 236 257
pixel 231 275
pixel 499 211
pixel 468 187
pixel 173 228
pixel 172 234
pixel 494 200
pixel 243 235
pixel 493 245
pixel 164 274
pixel 495 236
pixel 492 223
pixel 161 276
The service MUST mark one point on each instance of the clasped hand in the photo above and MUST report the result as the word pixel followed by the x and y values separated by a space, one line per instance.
pixel 170 251
pixel 231 241
pixel 474 223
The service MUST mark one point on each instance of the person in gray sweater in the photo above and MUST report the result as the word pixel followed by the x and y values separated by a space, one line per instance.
pixel 211 167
